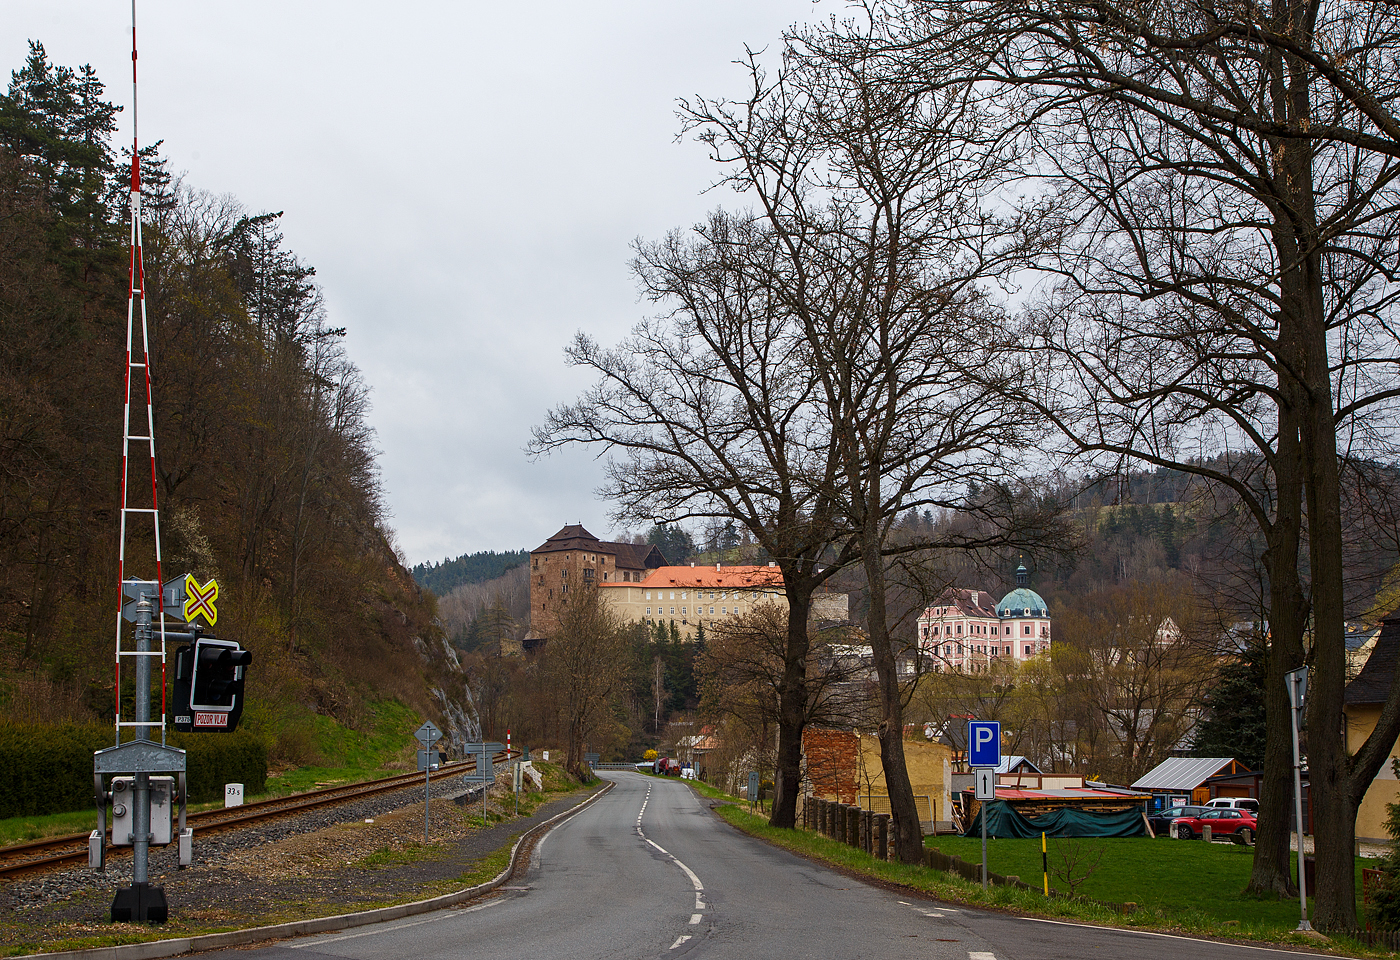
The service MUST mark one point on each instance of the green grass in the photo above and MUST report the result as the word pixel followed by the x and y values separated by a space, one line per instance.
pixel 1174 876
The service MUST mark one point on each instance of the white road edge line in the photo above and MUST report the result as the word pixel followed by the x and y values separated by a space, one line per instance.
pixel 446 914
pixel 1173 936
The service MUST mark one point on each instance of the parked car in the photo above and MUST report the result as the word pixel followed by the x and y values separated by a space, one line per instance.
pixel 1162 820
pixel 1223 821
pixel 1239 803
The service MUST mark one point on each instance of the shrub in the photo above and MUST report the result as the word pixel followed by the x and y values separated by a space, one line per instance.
pixel 50 766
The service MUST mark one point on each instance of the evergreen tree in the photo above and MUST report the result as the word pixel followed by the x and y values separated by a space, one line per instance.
pixel 673 542
pixel 1235 725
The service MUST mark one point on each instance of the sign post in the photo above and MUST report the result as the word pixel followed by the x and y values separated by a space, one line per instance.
pixel 427 734
pixel 984 756
pixel 1297 682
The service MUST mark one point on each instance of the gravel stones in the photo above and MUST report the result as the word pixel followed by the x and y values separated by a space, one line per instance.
pixel 320 862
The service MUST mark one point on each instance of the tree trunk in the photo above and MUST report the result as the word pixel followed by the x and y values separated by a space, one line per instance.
pixel 1270 874
pixel 908 839
pixel 792 702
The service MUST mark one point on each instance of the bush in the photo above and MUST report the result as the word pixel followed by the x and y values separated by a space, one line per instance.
pixel 50 766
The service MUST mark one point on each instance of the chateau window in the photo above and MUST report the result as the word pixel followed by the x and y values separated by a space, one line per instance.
pixel 673 594
pixel 1028 649
pixel 682 594
pixel 649 595
pixel 649 614
pixel 724 610
pixel 712 611
pixel 1026 629
pixel 682 608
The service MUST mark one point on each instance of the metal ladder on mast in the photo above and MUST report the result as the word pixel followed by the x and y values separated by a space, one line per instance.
pixel 142 724
pixel 139 756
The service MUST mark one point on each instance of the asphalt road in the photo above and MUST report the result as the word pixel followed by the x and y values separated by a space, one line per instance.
pixel 648 871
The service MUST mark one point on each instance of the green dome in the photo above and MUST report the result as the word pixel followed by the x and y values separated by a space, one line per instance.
pixel 1022 602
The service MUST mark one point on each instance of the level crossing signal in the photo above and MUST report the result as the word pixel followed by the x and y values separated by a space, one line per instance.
pixel 209 677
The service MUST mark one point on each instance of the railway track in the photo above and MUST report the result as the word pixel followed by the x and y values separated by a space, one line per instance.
pixel 50 852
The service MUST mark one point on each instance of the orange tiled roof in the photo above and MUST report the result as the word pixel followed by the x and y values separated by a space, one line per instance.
pixel 708 577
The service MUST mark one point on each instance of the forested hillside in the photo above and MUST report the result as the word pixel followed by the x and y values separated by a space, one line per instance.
pixel 265 458
pixel 443 578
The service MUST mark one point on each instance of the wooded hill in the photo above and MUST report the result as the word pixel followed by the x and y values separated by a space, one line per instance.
pixel 443 578
pixel 265 466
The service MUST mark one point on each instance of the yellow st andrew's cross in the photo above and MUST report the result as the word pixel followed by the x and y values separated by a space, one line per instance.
pixel 199 601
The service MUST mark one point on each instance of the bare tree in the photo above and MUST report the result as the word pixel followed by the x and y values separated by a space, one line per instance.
pixel 1142 655
pixel 708 412
pixel 581 667
pixel 1227 181
pixel 871 192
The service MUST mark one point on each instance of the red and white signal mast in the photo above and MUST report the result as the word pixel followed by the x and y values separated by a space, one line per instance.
pixel 147 777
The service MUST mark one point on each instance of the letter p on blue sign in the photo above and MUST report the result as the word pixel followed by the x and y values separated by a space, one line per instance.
pixel 983 743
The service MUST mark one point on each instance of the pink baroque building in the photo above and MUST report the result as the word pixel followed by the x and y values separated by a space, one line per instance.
pixel 965 631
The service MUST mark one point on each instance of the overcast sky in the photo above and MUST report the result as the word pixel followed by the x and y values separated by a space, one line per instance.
pixel 465 177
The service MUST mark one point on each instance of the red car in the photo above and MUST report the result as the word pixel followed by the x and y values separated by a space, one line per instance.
pixel 1223 822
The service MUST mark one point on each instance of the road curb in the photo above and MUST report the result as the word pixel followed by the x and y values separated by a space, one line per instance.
pixel 234 938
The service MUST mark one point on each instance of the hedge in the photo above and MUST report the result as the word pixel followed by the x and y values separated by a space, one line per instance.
pixel 51 766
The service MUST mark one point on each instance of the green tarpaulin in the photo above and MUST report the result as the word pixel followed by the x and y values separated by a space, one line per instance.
pixel 1003 821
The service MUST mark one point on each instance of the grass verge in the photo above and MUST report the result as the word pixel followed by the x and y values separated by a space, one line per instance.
pixel 1194 892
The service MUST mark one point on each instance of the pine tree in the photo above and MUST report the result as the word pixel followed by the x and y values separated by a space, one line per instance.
pixel 1235 723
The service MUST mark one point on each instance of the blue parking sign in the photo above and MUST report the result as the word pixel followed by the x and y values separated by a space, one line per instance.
pixel 983 743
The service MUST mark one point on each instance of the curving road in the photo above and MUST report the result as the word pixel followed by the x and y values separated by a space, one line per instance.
pixel 648 872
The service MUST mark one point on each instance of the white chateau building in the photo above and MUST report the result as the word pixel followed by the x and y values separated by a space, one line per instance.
pixel 965 631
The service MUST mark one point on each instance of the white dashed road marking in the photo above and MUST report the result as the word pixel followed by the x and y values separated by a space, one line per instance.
pixel 695 918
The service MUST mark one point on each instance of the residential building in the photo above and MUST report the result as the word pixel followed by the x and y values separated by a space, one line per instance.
pixel 1362 703
pixel 844 765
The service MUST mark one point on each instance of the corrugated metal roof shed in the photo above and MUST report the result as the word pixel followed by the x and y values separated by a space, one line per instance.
pixel 1015 763
pixel 1182 773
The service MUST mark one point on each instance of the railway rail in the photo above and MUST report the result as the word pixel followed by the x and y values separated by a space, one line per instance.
pixel 49 852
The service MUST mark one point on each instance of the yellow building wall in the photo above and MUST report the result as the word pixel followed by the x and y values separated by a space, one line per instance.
pixel 930 767
pixel 687 606
pixel 1370 816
